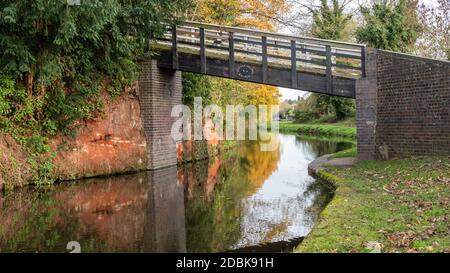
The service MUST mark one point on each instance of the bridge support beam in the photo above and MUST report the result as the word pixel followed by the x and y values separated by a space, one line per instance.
pixel 402 106
pixel 159 90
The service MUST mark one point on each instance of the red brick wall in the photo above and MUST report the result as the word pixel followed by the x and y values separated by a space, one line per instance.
pixel 410 97
pixel 159 90
pixel 366 109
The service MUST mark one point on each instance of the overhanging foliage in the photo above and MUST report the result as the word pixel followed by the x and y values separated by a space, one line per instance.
pixel 65 53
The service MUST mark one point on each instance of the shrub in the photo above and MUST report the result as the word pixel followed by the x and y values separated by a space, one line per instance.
pixel 305 117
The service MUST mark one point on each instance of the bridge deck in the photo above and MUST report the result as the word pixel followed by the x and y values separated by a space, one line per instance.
pixel 286 61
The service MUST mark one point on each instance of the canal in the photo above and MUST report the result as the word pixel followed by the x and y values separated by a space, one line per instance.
pixel 245 200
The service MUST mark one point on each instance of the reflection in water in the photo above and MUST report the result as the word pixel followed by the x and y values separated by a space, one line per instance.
pixel 131 213
pixel 241 200
pixel 278 210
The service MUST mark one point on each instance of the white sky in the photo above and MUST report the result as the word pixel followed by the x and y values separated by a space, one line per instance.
pixel 294 94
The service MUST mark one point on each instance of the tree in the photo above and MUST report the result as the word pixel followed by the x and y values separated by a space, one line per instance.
pixel 256 14
pixel 391 25
pixel 259 14
pixel 56 58
pixel 286 110
pixel 261 94
pixel 196 86
pixel 330 22
pixel 435 39
pixel 341 107
pixel 64 53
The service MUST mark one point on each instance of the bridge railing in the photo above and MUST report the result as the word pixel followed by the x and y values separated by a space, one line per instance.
pixel 330 58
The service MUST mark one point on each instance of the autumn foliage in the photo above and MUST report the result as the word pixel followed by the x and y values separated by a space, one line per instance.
pixel 255 14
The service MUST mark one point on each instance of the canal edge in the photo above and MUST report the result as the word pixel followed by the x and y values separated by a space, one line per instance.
pixel 319 168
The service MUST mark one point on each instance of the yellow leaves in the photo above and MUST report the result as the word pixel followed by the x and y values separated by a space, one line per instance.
pixel 261 14
pixel 258 14
pixel 217 11
pixel 263 164
pixel 262 94
pixel 236 92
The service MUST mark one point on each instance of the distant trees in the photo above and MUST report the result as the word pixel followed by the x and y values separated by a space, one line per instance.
pixel 287 109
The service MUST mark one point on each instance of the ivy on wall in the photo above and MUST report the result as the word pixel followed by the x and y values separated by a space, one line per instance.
pixel 56 57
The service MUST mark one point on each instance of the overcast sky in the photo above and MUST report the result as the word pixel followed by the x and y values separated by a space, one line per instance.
pixel 294 94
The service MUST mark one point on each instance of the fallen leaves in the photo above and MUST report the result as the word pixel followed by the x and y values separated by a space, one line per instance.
pixel 401 239
pixel 405 239
pixel 408 207
pixel 373 246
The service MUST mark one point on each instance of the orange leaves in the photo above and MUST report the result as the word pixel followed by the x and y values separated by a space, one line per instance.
pixel 262 94
pixel 258 14
pixel 262 14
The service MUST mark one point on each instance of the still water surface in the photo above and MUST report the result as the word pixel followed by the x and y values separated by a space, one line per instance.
pixel 245 200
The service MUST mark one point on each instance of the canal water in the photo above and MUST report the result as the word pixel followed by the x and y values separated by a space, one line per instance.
pixel 245 200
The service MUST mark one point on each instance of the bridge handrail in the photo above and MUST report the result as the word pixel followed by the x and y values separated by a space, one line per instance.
pixel 302 39
pixel 329 58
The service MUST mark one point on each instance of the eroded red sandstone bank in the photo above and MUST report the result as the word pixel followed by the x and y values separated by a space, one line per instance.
pixel 113 142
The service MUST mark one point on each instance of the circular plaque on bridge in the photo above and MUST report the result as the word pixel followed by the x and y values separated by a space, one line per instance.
pixel 245 71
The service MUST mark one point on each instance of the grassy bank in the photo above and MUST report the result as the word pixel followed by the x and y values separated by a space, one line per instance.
pixel 352 152
pixel 401 204
pixel 341 129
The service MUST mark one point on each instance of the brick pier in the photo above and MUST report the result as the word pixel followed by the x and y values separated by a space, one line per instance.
pixel 159 90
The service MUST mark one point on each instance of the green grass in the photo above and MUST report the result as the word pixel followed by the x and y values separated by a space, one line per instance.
pixel 342 129
pixel 402 204
pixel 329 119
pixel 352 152
pixel 325 139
